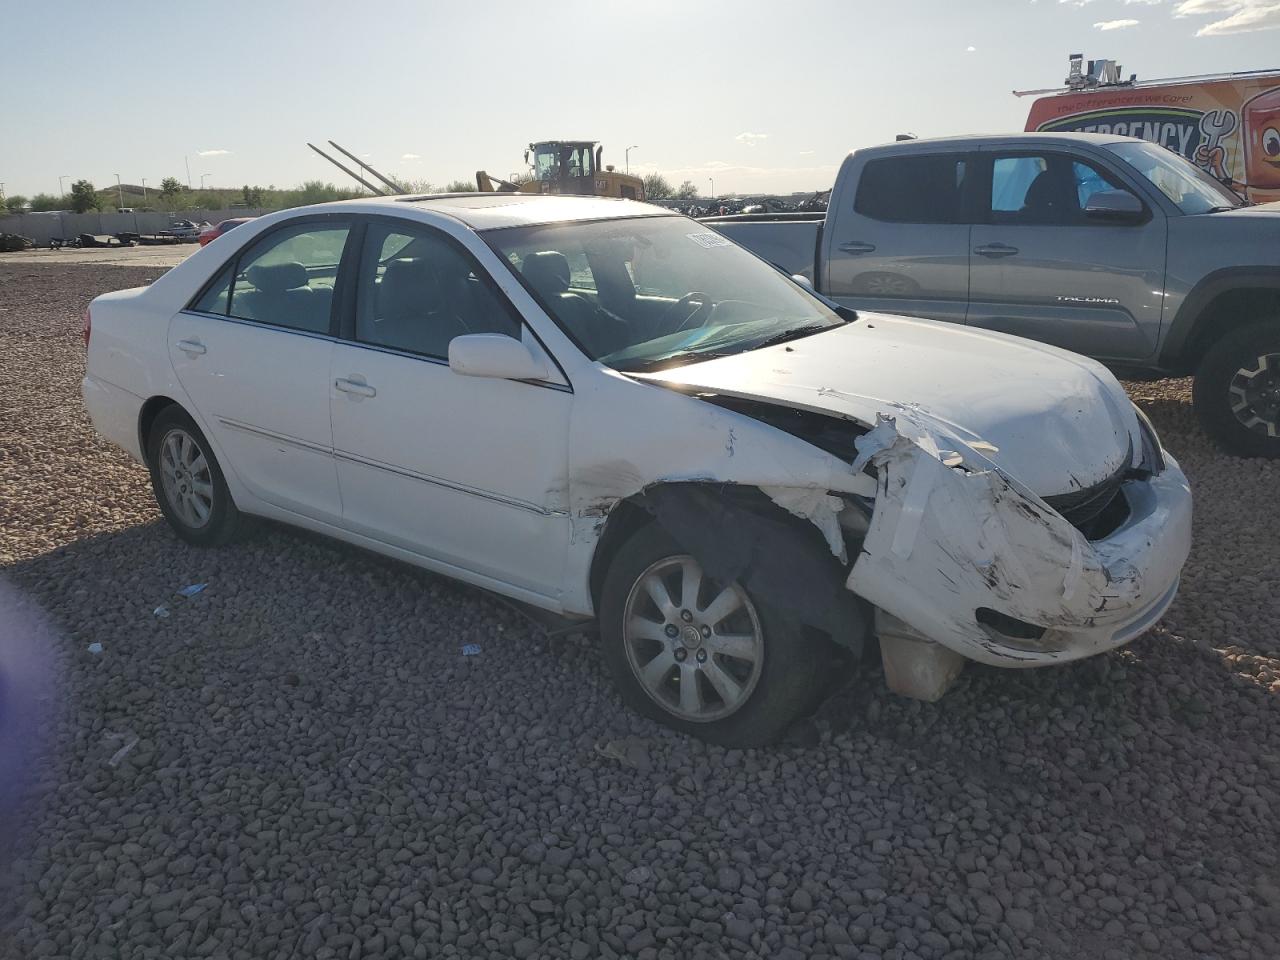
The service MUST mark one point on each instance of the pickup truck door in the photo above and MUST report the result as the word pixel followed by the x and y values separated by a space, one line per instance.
pixel 1040 268
pixel 897 236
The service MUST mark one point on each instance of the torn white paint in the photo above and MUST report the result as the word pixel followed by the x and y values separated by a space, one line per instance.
pixel 945 541
pixel 816 505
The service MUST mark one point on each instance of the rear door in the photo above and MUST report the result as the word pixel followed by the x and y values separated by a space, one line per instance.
pixel 900 243
pixel 1042 269
pixel 253 353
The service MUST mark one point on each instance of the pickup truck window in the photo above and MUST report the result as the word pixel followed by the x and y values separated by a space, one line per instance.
pixel 1189 187
pixel 663 291
pixel 1044 190
pixel 913 189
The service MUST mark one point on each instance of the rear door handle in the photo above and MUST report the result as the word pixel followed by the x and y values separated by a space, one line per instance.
pixel 355 387
pixel 857 246
pixel 995 250
pixel 192 348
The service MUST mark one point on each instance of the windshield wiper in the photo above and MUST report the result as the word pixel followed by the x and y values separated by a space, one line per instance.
pixel 1222 207
pixel 670 360
pixel 795 333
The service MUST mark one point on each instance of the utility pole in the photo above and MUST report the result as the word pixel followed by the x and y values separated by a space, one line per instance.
pixel 120 191
pixel 713 187
pixel 188 163
pixel 62 191
pixel 202 176
pixel 627 154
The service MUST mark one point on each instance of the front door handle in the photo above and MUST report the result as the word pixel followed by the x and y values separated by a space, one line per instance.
pixel 995 250
pixel 192 348
pixel 355 387
pixel 857 246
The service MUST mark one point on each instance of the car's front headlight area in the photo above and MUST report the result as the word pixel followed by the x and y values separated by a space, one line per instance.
pixel 1152 461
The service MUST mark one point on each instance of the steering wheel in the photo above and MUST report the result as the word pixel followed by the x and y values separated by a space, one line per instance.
pixel 693 296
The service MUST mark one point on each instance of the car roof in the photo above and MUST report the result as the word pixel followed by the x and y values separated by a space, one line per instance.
pixel 494 211
pixel 1008 139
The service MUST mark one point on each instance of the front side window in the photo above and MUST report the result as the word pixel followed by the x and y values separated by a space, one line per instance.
pixel 913 189
pixel 1190 188
pixel 286 279
pixel 648 292
pixel 1044 190
pixel 418 290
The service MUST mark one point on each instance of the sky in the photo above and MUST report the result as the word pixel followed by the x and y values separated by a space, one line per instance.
pixel 759 96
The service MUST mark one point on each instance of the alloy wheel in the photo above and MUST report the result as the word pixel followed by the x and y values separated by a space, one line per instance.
pixel 1255 395
pixel 696 646
pixel 186 478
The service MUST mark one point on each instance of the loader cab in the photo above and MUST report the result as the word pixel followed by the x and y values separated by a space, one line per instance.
pixel 565 166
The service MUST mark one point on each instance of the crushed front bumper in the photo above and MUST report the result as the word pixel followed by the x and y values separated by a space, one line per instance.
pixel 945 543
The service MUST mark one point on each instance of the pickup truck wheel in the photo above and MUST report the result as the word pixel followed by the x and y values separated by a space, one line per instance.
pixel 703 657
pixel 187 481
pixel 1237 391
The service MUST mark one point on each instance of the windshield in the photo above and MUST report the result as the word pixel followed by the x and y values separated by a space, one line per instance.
pixel 1193 190
pixel 650 292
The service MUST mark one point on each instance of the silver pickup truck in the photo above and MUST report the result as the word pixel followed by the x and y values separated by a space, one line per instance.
pixel 1108 246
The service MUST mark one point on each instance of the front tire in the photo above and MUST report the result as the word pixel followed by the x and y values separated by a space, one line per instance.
pixel 702 657
pixel 188 482
pixel 1237 391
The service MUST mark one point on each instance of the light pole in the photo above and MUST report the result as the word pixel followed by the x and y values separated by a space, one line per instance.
pixel 120 191
pixel 144 190
pixel 62 191
pixel 202 176
pixel 713 187
pixel 627 154
pixel 188 163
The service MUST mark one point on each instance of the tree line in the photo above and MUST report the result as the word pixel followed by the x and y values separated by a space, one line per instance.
pixel 174 196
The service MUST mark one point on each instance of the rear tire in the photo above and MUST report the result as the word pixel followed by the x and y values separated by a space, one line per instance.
pixel 744 698
pixel 188 482
pixel 1237 391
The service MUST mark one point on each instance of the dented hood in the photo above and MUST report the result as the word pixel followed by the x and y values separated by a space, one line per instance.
pixel 1053 420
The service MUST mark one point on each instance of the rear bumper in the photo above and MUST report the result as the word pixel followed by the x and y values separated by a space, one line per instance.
pixel 114 412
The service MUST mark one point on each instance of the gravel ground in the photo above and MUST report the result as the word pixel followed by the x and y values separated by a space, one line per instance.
pixel 316 771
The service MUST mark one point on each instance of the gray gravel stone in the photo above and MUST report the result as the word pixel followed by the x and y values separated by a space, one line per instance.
pixel 319 771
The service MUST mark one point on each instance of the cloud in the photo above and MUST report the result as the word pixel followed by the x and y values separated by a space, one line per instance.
pixel 970 49
pixel 751 139
pixel 1243 16
pixel 806 153
pixel 213 153
pixel 410 156
pixel 1115 24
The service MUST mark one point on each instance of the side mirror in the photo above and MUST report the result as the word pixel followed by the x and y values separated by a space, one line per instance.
pixel 1118 206
pixel 494 355
pixel 804 281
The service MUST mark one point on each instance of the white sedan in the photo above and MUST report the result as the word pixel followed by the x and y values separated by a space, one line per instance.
pixel 611 412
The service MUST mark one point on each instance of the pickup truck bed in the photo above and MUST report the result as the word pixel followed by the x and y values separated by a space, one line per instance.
pixel 787 240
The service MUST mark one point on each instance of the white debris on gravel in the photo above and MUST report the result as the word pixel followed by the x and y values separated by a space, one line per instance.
pixel 318 773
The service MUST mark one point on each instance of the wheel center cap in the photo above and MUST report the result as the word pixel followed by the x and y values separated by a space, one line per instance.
pixel 691 637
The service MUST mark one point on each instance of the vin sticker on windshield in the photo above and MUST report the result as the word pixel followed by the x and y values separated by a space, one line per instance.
pixel 708 239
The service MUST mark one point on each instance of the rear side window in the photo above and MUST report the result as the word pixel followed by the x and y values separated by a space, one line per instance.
pixel 287 278
pixel 913 189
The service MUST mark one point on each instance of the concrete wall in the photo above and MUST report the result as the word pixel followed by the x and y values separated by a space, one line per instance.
pixel 41 227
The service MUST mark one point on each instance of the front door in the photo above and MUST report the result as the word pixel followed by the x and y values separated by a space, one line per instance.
pixel 1040 268
pixel 468 471
pixel 903 247
pixel 253 353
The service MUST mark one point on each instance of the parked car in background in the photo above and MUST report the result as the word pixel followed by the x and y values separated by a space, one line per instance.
pixel 184 230
pixel 610 411
pixel 1109 246
pixel 213 232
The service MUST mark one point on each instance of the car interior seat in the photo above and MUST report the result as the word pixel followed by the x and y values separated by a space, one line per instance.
pixel 411 312
pixel 282 295
pixel 547 271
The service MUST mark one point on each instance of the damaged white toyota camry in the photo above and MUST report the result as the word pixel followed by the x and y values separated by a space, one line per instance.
pixel 609 412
